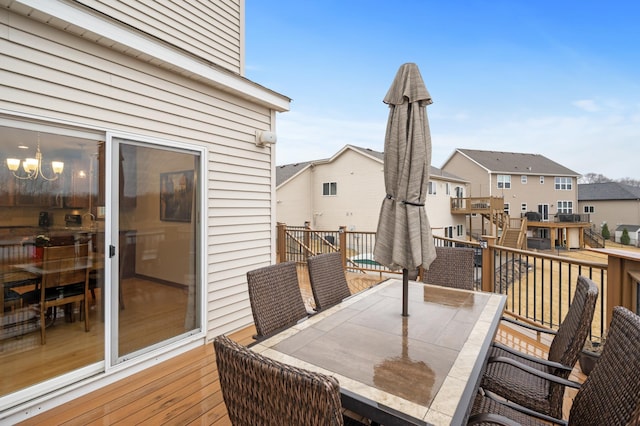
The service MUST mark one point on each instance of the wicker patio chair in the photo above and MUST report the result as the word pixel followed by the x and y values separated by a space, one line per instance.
pixel 528 390
pixel 260 391
pixel 276 301
pixel 453 267
pixel 609 396
pixel 328 281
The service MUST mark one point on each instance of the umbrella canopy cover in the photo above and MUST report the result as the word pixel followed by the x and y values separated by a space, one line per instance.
pixel 403 238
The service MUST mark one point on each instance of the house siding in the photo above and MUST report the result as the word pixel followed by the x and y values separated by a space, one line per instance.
pixel 210 30
pixel 613 212
pixel 356 181
pixel 293 206
pixel 360 191
pixel 485 183
pixel 58 76
pixel 478 177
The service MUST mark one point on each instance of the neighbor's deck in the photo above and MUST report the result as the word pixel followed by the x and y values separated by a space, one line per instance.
pixel 185 390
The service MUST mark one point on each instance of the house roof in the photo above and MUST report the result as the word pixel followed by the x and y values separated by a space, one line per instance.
pixel 607 191
pixel 630 228
pixel 516 163
pixel 288 171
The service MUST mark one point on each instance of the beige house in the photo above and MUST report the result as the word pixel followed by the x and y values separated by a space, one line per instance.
pixel 612 203
pixel 347 190
pixel 130 129
pixel 530 184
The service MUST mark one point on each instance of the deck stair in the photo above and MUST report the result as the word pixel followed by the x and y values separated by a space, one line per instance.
pixel 593 239
pixel 514 232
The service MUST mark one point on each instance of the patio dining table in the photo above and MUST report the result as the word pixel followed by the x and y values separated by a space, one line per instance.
pixel 421 369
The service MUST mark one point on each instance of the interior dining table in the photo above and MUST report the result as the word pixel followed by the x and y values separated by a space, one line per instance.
pixel 422 369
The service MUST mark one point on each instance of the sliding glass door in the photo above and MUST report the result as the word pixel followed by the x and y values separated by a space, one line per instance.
pixel 155 291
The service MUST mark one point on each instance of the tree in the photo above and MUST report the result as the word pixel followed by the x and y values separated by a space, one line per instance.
pixel 594 178
pixel 605 231
pixel 625 239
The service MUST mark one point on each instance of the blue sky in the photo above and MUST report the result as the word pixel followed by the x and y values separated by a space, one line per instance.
pixel 557 78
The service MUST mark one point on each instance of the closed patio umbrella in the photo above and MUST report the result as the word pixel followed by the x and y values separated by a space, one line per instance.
pixel 403 238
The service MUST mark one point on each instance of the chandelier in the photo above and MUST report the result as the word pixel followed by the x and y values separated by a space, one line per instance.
pixel 33 166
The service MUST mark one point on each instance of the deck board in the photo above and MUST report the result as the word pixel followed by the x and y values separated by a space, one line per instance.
pixel 185 390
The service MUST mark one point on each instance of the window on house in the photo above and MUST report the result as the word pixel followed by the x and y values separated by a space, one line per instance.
pixel 541 180
pixel 504 181
pixel 563 184
pixel 447 188
pixel 329 188
pixel 460 230
pixel 507 209
pixel 565 206
pixel 523 207
pixel 431 189
pixel 523 179
pixel 589 209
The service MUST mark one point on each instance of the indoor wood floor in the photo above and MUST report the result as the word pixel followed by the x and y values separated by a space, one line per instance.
pixel 185 390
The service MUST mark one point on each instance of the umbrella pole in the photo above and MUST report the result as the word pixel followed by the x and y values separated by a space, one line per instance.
pixel 405 292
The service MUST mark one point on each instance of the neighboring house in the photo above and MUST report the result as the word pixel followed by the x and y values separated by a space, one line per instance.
pixel 634 234
pixel 347 190
pixel 529 183
pixel 612 203
pixel 147 107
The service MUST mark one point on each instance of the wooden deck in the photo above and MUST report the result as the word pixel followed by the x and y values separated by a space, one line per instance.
pixel 185 390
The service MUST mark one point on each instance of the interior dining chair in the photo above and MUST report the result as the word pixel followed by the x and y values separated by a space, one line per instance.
pixel 275 298
pixel 260 391
pixel 526 389
pixel 65 280
pixel 609 396
pixel 453 267
pixel 328 280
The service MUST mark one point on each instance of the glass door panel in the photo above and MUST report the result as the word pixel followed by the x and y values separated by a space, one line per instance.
pixel 157 233
pixel 39 211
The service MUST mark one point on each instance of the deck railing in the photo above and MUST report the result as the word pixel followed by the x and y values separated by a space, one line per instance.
pixel 539 286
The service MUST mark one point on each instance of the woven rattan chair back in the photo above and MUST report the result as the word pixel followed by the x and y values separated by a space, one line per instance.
pixel 538 394
pixel 453 267
pixel 574 329
pixel 568 342
pixel 260 391
pixel 274 294
pixel 609 396
pixel 611 393
pixel 327 278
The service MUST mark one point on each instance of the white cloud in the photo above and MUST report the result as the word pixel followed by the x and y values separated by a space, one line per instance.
pixel 305 138
pixel 597 143
pixel 588 105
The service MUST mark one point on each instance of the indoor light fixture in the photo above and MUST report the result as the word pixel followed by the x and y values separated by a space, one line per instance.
pixel 33 166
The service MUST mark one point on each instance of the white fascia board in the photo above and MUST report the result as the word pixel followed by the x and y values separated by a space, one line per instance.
pixel 226 80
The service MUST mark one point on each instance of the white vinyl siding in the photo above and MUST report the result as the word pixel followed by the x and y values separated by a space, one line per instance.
pixel 79 82
pixel 209 29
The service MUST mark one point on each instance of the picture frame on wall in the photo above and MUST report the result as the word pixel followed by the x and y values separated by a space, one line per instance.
pixel 176 196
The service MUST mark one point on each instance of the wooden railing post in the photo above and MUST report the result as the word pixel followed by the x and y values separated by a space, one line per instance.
pixel 281 243
pixel 623 275
pixel 342 236
pixel 488 262
pixel 307 234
